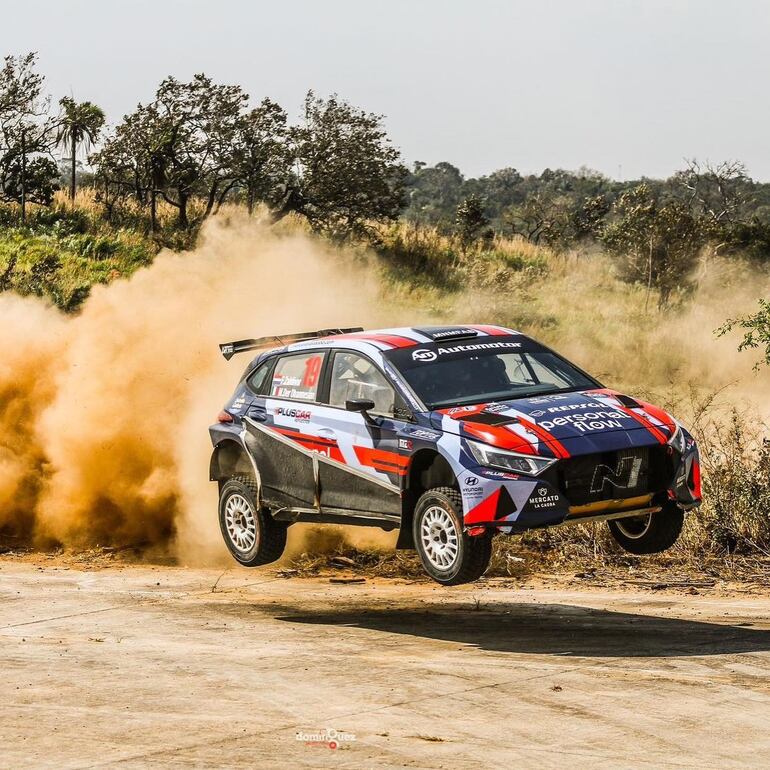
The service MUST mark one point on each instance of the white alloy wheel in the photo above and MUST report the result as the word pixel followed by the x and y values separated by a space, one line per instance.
pixel 439 538
pixel 241 523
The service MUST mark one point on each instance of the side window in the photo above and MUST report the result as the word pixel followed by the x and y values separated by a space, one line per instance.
pixel 354 376
pixel 257 380
pixel 297 376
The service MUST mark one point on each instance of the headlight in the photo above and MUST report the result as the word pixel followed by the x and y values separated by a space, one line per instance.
pixel 509 461
pixel 677 440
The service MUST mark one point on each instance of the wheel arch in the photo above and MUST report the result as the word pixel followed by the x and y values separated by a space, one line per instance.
pixel 229 459
pixel 427 468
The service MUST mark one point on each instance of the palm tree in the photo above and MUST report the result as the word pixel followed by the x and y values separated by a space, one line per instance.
pixel 79 124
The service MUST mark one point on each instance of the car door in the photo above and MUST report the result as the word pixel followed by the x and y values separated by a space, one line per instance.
pixel 363 469
pixel 279 431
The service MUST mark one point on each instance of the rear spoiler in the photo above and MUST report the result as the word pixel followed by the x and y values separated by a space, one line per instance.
pixel 229 349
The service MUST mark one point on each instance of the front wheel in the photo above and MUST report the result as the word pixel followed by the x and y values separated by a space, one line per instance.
pixel 448 554
pixel 251 534
pixel 652 533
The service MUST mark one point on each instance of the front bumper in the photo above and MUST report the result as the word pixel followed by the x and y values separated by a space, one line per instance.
pixel 514 503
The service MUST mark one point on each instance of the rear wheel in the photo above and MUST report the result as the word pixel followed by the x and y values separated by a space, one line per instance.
pixel 251 534
pixel 448 554
pixel 652 533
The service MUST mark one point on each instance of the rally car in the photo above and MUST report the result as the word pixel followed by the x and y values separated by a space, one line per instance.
pixel 450 434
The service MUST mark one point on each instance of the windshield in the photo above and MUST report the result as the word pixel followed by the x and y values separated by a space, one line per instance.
pixel 476 371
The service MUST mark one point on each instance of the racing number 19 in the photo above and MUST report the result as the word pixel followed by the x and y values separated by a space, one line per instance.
pixel 312 370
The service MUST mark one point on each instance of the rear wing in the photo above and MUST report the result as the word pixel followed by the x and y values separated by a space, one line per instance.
pixel 229 349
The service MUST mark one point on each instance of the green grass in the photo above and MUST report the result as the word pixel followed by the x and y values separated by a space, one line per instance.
pixel 61 256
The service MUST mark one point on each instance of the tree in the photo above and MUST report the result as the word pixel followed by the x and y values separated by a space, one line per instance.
pixel 261 159
pixel 757 331
pixel 434 193
pixel 470 220
pixel 346 172
pixel 657 243
pixel 27 173
pixel 131 163
pixel 587 217
pixel 80 123
pixel 178 146
pixel 195 127
pixel 543 217
pixel 718 193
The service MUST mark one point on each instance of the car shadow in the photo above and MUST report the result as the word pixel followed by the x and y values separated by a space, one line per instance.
pixel 547 629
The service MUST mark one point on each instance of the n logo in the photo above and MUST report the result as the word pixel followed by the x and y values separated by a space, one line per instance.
pixel 624 476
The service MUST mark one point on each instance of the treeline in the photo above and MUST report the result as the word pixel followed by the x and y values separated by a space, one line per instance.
pixel 197 145
pixel 655 228
pixel 202 143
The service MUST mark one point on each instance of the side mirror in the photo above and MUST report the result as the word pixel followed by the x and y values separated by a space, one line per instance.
pixel 359 405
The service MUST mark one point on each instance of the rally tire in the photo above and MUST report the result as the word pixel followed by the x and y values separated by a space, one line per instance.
pixel 448 554
pixel 251 534
pixel 649 534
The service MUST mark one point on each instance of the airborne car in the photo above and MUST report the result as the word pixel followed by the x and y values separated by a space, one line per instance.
pixel 449 433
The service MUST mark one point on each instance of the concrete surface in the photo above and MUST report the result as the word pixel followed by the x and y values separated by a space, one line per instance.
pixel 148 667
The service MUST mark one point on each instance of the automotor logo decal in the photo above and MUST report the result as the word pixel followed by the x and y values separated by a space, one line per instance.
pixel 424 355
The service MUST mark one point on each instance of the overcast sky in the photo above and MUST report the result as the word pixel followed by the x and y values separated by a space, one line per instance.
pixel 629 87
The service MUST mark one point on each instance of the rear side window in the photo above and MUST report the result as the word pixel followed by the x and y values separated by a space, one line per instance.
pixel 297 376
pixel 258 380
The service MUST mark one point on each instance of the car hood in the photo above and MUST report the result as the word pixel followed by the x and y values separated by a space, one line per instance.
pixel 561 425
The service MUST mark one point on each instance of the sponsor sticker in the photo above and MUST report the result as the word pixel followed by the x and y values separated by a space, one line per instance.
pixel 238 404
pixel 426 435
pixel 298 415
pixel 501 475
pixel 451 333
pixel 424 355
pixel 547 399
pixel 586 422
pixel 542 498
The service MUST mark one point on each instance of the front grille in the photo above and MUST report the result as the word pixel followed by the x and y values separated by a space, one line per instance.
pixel 614 475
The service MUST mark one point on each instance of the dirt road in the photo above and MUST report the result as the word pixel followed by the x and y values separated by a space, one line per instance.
pixel 139 666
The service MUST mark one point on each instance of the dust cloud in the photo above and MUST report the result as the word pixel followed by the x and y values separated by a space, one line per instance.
pixel 104 414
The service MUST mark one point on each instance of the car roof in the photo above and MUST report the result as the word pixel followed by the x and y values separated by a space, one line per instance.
pixel 405 336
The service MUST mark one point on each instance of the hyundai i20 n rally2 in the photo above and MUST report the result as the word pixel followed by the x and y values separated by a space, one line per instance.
pixel 449 434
